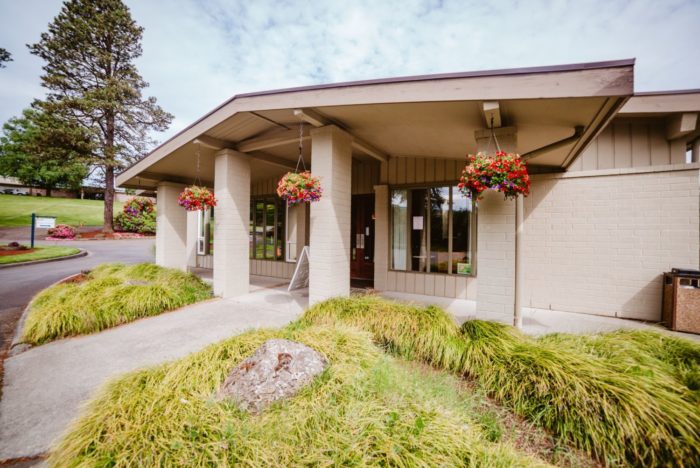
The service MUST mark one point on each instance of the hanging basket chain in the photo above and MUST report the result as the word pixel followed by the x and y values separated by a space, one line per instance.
pixel 300 159
pixel 197 180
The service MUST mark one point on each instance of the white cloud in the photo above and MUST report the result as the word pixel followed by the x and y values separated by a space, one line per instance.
pixel 198 53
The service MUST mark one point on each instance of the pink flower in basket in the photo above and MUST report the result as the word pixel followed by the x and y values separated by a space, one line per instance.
pixel 196 198
pixel 299 187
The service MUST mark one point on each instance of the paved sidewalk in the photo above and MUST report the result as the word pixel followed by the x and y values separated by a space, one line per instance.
pixel 45 386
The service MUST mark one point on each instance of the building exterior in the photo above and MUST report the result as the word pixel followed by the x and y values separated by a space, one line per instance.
pixel 615 197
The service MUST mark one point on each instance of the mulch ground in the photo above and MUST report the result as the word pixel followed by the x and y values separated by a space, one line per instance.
pixel 5 253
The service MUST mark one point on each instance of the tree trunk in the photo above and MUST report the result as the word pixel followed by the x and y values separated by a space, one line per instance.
pixel 108 227
pixel 48 191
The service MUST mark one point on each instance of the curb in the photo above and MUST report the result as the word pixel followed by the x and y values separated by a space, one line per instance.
pixel 82 253
pixel 18 346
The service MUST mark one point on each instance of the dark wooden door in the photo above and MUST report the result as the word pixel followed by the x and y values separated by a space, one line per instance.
pixel 362 243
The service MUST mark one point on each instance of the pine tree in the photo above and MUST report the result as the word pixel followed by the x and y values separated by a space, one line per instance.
pixel 5 56
pixel 91 78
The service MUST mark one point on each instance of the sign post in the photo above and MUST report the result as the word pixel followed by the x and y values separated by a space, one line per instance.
pixel 33 227
pixel 43 222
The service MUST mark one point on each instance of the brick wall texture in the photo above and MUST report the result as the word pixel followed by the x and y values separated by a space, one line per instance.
pixel 599 244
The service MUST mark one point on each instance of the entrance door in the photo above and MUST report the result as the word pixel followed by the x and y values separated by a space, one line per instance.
pixel 362 243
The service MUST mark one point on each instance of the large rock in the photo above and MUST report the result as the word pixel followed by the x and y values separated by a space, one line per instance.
pixel 277 370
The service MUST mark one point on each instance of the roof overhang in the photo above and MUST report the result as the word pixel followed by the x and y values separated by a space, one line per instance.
pixel 423 116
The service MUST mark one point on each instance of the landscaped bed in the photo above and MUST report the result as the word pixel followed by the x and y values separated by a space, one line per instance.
pixel 109 295
pixel 625 398
pixel 18 255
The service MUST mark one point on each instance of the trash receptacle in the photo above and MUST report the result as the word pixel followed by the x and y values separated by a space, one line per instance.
pixel 681 300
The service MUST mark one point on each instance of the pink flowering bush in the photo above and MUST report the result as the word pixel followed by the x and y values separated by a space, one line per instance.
pixel 62 231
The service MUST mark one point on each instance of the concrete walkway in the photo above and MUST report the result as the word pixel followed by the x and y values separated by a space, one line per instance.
pixel 45 386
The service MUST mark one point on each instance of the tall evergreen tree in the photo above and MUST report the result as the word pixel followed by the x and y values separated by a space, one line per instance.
pixel 42 151
pixel 90 49
pixel 5 56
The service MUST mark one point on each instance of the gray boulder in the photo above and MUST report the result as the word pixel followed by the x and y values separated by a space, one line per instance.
pixel 277 370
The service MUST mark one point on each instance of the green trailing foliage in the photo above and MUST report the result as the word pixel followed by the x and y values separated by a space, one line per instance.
pixel 138 215
pixel 366 409
pixel 110 295
pixel 624 397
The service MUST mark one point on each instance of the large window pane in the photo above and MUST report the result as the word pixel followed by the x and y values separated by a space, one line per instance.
pixel 439 205
pixel 259 229
pixel 419 230
pixel 461 233
pixel 270 230
pixel 399 212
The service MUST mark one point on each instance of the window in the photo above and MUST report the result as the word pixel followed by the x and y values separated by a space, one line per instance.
pixel 267 228
pixel 432 230
pixel 205 232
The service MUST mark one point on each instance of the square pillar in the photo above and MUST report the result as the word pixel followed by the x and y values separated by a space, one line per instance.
pixel 381 236
pixel 231 236
pixel 329 267
pixel 171 227
pixel 192 235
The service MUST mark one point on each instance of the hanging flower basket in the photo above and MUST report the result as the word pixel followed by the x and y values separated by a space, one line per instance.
pixel 503 172
pixel 196 198
pixel 299 187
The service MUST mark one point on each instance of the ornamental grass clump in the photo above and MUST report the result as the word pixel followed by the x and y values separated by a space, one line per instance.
pixel 110 295
pixel 299 187
pixel 623 398
pixel 366 409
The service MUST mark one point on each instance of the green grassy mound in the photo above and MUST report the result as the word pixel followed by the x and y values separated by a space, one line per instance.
pixel 626 397
pixel 17 210
pixel 112 294
pixel 367 408
pixel 40 253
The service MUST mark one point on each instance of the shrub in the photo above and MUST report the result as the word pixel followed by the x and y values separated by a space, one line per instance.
pixel 138 215
pixel 366 409
pixel 62 231
pixel 112 294
pixel 622 397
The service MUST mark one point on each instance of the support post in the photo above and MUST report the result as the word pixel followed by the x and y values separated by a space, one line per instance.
pixel 329 266
pixel 231 254
pixel 171 227
pixel 519 267
pixel 381 236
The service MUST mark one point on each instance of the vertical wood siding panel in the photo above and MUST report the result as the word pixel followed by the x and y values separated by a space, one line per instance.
pixel 623 145
pixel 440 170
pixel 429 170
pixel 391 281
pixel 410 170
pixel 589 158
pixel 401 170
pixel 429 285
pixel 439 285
pixel 450 286
pixel 658 145
pixel 606 153
pixel 641 156
pixel 461 288
pixel 420 284
pixel 410 283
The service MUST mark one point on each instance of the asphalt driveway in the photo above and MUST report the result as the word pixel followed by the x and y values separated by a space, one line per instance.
pixel 19 284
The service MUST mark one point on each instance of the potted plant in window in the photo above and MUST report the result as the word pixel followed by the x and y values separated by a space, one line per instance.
pixel 503 172
pixel 195 198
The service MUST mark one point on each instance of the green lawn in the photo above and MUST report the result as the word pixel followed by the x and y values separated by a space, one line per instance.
pixel 17 210
pixel 41 253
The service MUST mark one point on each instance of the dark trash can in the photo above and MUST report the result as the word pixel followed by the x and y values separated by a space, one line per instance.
pixel 681 303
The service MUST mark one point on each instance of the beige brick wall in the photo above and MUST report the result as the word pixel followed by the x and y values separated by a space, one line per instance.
pixel 171 227
pixel 329 266
pixel 598 244
pixel 495 254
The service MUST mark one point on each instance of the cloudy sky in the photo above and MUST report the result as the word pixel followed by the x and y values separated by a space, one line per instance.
pixel 198 53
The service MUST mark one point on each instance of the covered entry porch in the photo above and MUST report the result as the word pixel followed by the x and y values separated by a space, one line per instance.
pixel 400 143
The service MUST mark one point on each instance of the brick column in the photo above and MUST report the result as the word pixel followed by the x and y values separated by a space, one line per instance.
pixel 192 235
pixel 381 236
pixel 232 218
pixel 329 268
pixel 171 227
